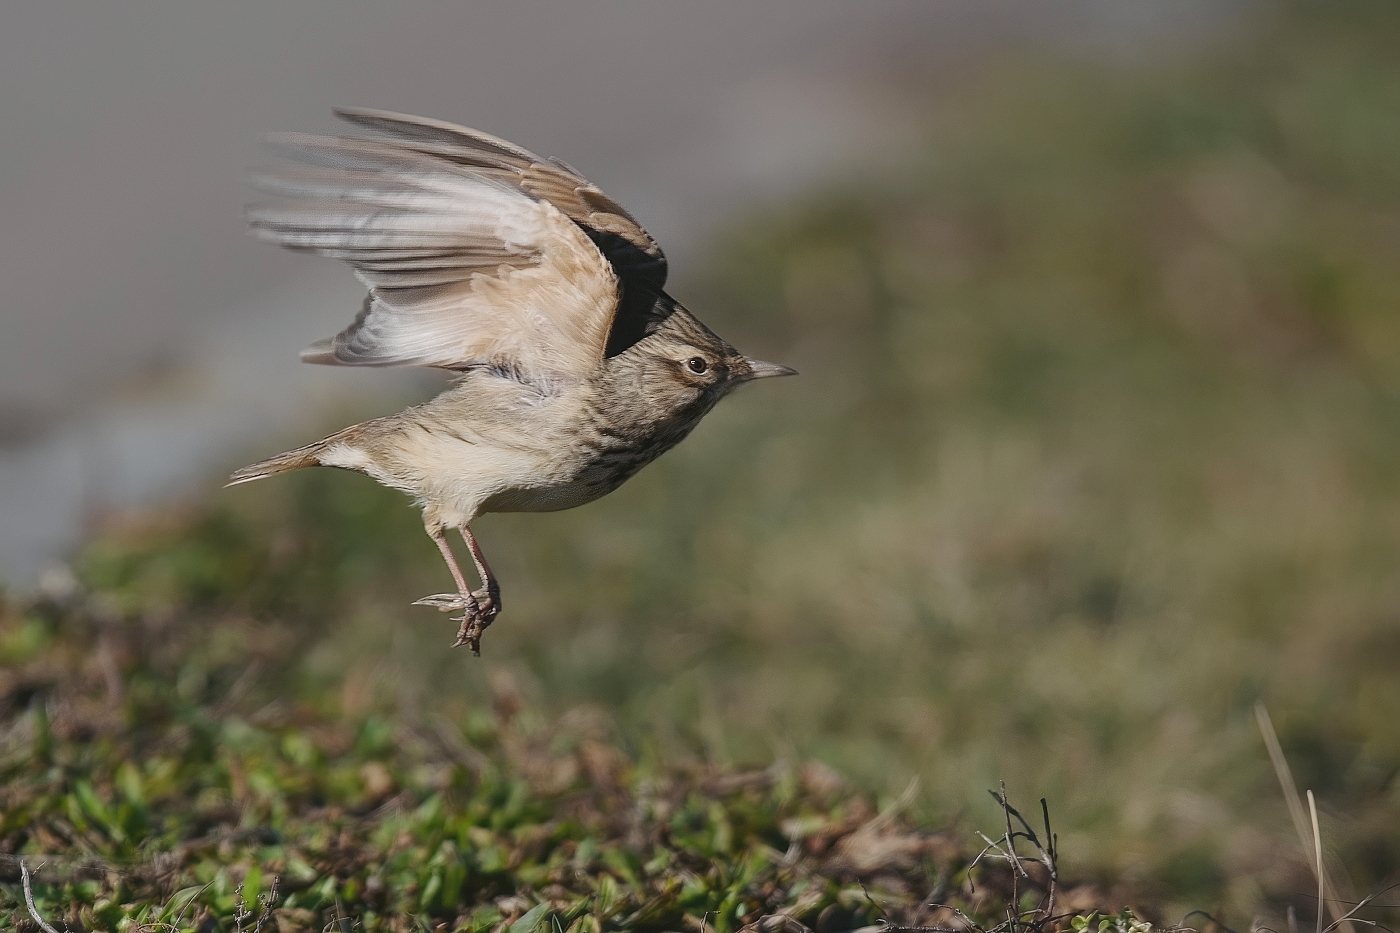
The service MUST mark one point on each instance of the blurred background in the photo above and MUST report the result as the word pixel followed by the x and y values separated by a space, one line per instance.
pixel 1094 447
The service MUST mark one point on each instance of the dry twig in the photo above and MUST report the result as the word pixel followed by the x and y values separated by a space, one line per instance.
pixel 29 899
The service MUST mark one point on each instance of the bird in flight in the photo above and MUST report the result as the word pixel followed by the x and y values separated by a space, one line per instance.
pixel 576 369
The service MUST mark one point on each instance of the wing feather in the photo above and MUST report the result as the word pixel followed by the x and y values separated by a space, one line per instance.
pixel 465 266
pixel 634 256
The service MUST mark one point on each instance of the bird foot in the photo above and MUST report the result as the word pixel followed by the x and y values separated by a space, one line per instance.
pixel 479 610
pixel 474 624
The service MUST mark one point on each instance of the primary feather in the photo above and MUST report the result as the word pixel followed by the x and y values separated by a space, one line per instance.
pixel 476 252
pixel 552 180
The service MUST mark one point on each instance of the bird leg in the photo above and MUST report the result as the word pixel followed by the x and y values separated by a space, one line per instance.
pixel 447 602
pixel 462 599
pixel 489 596
pixel 480 607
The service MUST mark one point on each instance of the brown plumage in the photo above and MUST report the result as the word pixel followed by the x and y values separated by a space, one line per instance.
pixel 577 369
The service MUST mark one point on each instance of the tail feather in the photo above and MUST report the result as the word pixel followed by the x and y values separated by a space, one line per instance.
pixel 282 463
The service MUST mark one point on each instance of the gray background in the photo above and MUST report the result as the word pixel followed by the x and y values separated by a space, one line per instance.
pixel 146 343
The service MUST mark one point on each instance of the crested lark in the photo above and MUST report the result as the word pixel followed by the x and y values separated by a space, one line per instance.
pixel 577 369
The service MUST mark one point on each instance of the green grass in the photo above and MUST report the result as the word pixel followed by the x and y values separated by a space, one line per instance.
pixel 157 775
pixel 1096 446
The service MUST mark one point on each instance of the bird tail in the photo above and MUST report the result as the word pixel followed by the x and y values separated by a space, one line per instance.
pixel 307 456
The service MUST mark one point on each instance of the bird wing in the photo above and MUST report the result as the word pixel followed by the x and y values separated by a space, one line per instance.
pixel 475 252
pixel 635 257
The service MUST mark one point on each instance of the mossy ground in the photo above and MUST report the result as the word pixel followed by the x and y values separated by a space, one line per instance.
pixel 155 776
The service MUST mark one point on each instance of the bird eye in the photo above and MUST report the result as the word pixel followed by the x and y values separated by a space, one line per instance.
pixel 697 365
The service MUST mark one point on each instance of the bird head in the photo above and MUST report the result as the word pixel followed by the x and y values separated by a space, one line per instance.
pixel 684 366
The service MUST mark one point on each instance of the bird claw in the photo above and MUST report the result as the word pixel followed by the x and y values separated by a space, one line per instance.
pixel 479 611
pixel 443 602
pixel 455 602
pixel 473 625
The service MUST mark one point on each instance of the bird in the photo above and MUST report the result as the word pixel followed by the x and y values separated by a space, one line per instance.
pixel 574 367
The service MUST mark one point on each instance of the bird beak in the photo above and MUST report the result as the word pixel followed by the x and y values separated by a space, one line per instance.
pixel 761 370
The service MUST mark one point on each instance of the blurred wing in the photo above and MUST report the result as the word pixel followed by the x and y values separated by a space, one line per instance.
pixel 464 269
pixel 635 257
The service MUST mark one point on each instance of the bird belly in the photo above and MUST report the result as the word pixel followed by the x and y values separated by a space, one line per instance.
pixel 496 449
pixel 466 474
pixel 570 486
pixel 577 473
pixel 541 498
